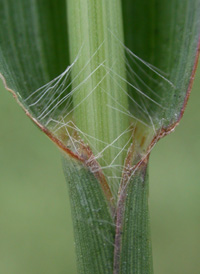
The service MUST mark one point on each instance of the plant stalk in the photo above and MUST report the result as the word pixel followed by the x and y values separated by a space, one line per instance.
pixel 100 96
pixel 94 228
pixel 133 252
pixel 100 102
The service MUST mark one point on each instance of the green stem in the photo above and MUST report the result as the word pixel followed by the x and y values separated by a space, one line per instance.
pixel 95 29
pixel 94 228
pixel 104 245
pixel 133 253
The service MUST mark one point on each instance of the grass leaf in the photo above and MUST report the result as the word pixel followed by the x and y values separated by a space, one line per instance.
pixel 165 34
pixel 33 45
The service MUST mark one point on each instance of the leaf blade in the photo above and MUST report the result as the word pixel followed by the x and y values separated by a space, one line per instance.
pixel 167 37
pixel 32 52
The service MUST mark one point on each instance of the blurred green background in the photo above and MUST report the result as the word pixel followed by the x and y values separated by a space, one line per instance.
pixel 36 235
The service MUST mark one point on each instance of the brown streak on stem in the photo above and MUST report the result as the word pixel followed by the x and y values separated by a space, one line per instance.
pixel 129 171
